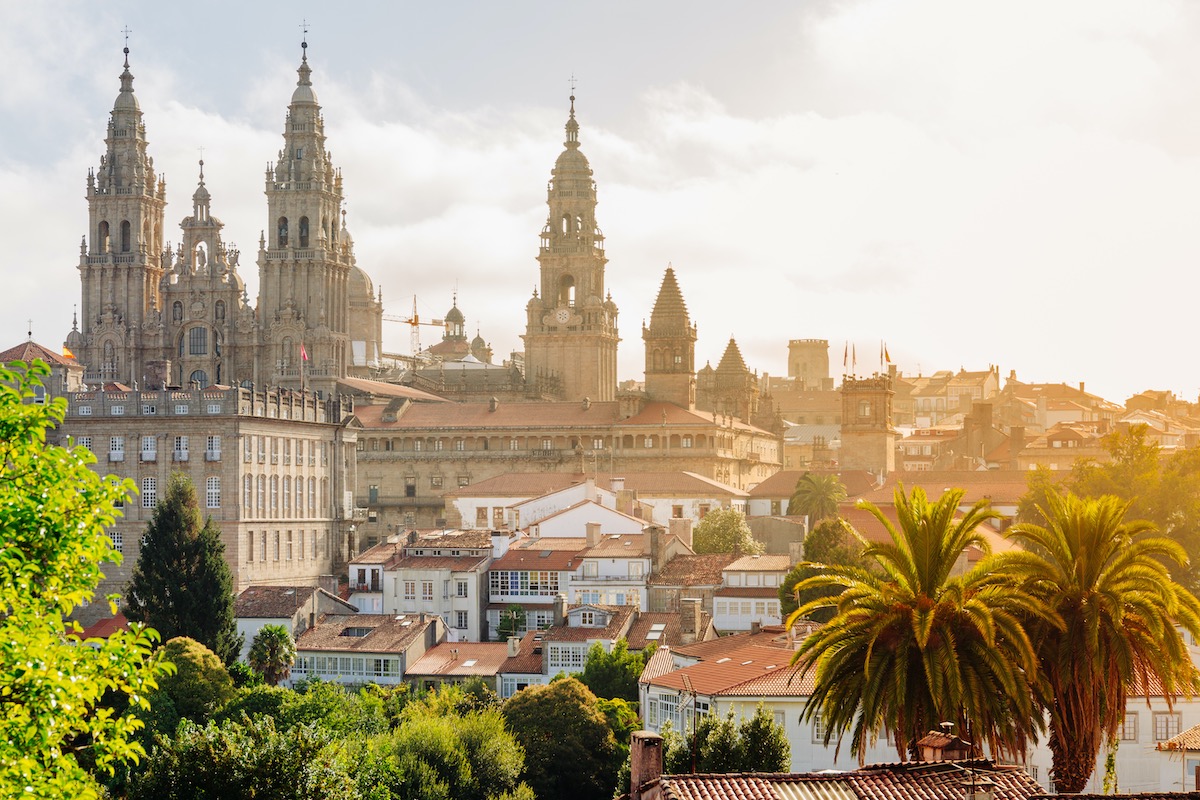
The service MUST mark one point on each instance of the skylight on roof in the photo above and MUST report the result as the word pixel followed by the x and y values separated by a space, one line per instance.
pixel 470 662
pixel 653 635
pixel 722 660
pixel 658 627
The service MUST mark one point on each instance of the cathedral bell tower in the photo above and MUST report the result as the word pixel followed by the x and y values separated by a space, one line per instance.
pixel 571 331
pixel 304 259
pixel 670 347
pixel 120 259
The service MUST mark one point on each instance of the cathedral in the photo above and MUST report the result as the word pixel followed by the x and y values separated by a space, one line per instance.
pixel 273 408
pixel 153 316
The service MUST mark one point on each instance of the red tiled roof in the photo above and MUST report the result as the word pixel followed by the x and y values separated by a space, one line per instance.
pixel 671 633
pixel 275 602
pixel 1001 486
pixel 658 413
pixel 526 662
pixel 722 675
pixel 381 389
pixel 910 781
pixel 783 483
pixel 382 553
pixel 625 545
pixel 388 633
pixel 768 636
pixel 449 658
pixel 691 570
pixel 452 563
pixel 617 624
pixel 659 664
pixel 28 351
pixel 549 554
pixel 106 627
pixel 767 562
pixel 539 484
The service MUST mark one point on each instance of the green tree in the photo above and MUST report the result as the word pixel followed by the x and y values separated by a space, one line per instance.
pixel 273 653
pixel 199 687
pixel 182 585
pixel 1107 581
pixel 512 619
pixel 831 542
pixel 53 514
pixel 914 644
pixel 570 751
pixel 721 745
pixel 724 530
pixel 1040 483
pixel 244 758
pixel 614 674
pixel 817 496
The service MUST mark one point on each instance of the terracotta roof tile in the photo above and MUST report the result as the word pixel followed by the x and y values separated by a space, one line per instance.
pixel 768 562
pixel 28 351
pixel 452 563
pixel 448 417
pixel 549 554
pixel 768 636
pixel 625 545
pixel 538 484
pixel 387 633
pixel 526 662
pixel 783 483
pixel 748 591
pixel 380 389
pixel 690 570
pixel 451 658
pixel 105 627
pixel 722 675
pixel 617 625
pixel 276 602
pixel 669 634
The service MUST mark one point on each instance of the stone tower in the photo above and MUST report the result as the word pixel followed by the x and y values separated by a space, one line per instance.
pixel 868 439
pixel 571 331
pixel 808 363
pixel 731 388
pixel 208 334
pixel 670 347
pixel 306 261
pixel 120 260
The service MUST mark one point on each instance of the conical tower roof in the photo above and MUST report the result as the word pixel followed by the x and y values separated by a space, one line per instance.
pixel 732 361
pixel 670 314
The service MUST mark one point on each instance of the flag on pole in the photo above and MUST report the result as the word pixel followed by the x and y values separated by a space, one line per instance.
pixel 886 355
pixel 846 357
pixel 67 352
pixel 303 352
pixel 854 356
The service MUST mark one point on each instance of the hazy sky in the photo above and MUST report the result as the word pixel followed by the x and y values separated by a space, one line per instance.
pixel 1015 183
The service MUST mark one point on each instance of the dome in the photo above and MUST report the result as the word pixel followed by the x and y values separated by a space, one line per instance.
pixel 360 284
pixel 126 101
pixel 478 342
pixel 304 92
pixel 570 160
pixel 454 315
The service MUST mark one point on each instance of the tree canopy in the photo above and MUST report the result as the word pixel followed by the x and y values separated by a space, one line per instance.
pixel 1107 582
pixel 817 496
pixel 613 674
pixel 724 530
pixel 914 644
pixel 181 584
pixel 54 511
pixel 570 751
pixel 721 745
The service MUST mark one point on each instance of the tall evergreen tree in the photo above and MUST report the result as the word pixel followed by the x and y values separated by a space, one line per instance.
pixel 182 585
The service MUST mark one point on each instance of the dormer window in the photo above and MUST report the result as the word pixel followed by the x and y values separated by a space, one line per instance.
pixel 587 619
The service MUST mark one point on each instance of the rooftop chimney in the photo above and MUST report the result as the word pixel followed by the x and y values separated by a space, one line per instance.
pixel 493 404
pixel 689 619
pixel 645 761
pixel 560 610
pixel 514 646
pixel 593 533
pixel 618 484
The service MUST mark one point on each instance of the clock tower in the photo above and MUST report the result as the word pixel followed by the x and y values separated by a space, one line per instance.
pixel 571 331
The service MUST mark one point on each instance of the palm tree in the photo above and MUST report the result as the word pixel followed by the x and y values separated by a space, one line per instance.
pixel 817 496
pixel 1108 581
pixel 911 644
pixel 273 653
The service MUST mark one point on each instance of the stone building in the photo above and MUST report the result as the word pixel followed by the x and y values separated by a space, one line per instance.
pixel 868 438
pixel 272 469
pixel 155 317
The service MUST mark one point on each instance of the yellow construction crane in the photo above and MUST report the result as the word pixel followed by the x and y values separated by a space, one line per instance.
pixel 415 323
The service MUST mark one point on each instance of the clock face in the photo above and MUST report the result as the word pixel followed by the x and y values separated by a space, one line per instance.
pixel 562 315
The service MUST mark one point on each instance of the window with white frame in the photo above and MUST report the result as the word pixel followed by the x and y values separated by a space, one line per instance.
pixel 149 492
pixel 562 656
pixel 116 444
pixel 85 442
pixel 212 492
pixel 460 620
pixel 149 447
pixel 426 590
pixel 818 729
pixel 460 588
pixel 410 590
pixel 1166 724
pixel 118 540
pixel 213 446
pixel 1129 728
pixel 181 444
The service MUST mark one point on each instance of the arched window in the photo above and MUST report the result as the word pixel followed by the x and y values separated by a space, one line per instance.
pixel 199 377
pixel 283 232
pixel 125 237
pixel 566 223
pixel 304 231
pixel 102 241
pixel 566 290
pixel 177 312
pixel 219 310
pixel 578 224
pixel 274 493
pixel 261 507
pixel 247 494
pixel 285 355
pixel 108 367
